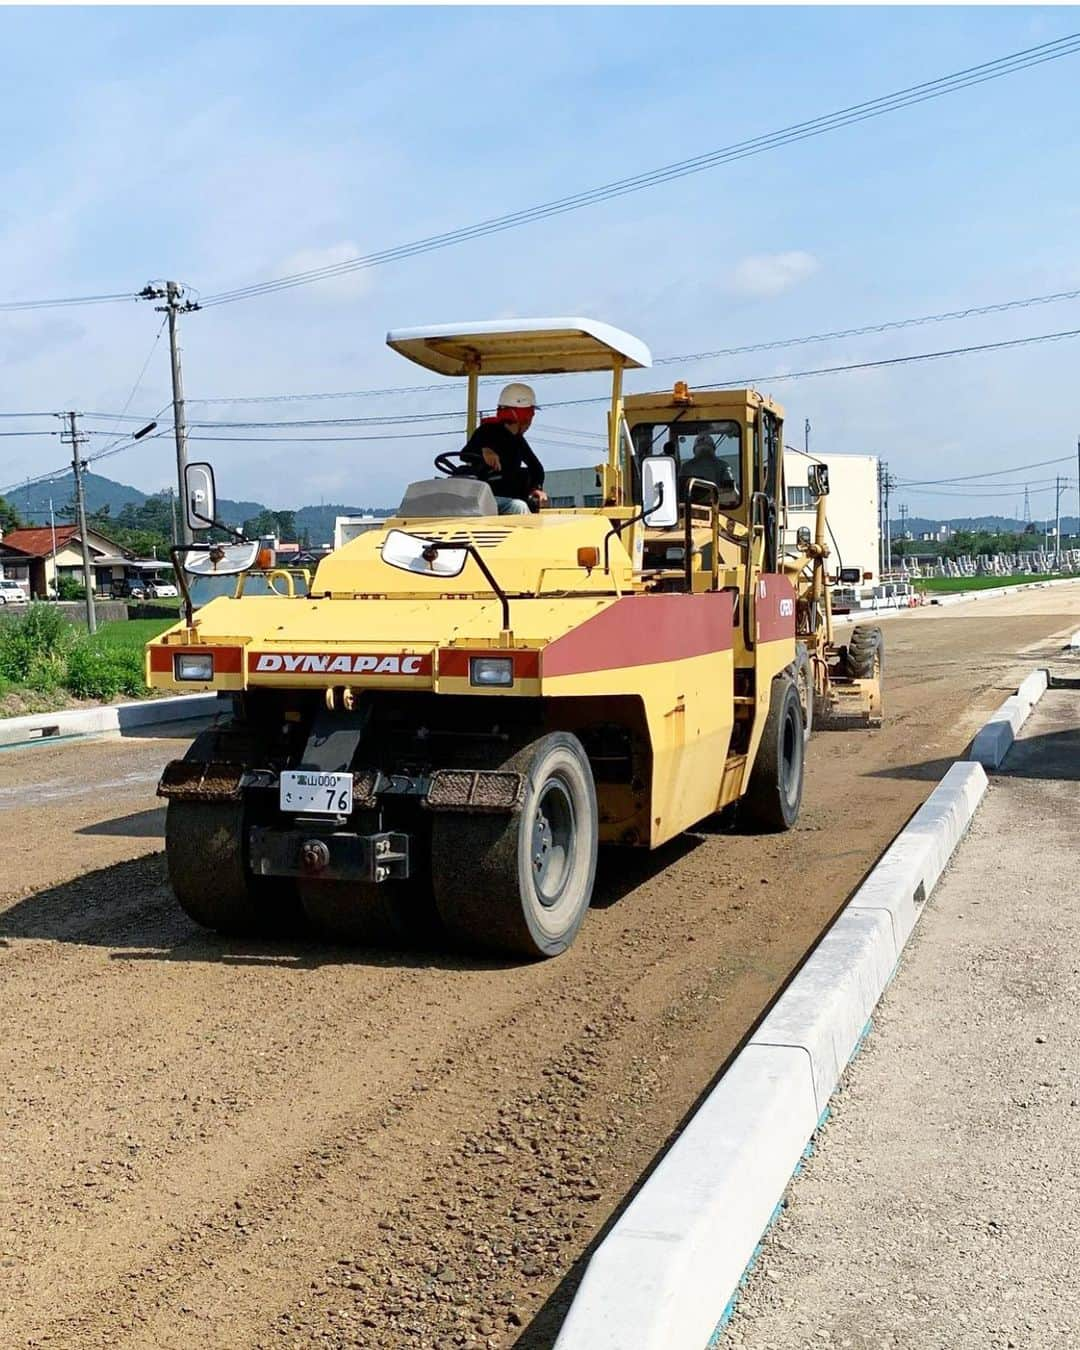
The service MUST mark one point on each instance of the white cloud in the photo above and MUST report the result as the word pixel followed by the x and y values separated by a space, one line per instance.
pixel 767 274
pixel 343 286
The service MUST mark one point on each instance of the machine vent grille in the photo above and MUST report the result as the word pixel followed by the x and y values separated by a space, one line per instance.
pixel 479 538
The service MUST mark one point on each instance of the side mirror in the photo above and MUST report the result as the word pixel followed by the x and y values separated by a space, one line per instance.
pixel 818 478
pixel 659 491
pixel 200 498
pixel 222 560
pixel 412 554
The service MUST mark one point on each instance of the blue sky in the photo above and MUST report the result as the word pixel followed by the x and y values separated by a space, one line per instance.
pixel 223 146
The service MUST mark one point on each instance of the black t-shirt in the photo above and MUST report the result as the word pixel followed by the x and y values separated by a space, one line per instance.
pixel 521 471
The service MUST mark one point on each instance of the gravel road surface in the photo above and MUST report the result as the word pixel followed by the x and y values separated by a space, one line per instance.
pixel 940 1207
pixel 239 1144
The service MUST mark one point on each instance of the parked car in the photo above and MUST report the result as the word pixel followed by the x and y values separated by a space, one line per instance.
pixel 12 592
pixel 162 590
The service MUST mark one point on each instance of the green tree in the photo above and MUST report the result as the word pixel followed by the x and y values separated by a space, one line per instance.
pixel 9 517
pixel 281 524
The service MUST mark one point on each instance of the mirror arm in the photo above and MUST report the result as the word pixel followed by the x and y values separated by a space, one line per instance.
pixel 175 554
pixel 621 525
pixel 436 545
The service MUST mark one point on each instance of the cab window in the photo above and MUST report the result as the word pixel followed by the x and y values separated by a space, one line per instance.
pixel 708 450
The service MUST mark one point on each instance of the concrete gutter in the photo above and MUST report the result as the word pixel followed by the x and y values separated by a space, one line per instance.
pixel 118 719
pixel 666 1276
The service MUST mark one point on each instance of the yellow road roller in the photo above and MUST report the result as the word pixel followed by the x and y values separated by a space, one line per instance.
pixel 437 737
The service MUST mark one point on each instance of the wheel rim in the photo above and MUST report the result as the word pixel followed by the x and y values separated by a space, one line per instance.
pixel 790 752
pixel 552 842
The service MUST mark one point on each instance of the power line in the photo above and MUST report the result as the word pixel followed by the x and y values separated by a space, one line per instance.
pixel 60 302
pixel 859 112
pixel 990 473
pixel 972 311
pixel 122 416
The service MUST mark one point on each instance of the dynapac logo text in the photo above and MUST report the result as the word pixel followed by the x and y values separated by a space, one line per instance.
pixel 326 663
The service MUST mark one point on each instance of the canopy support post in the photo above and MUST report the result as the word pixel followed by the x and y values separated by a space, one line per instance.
pixel 473 405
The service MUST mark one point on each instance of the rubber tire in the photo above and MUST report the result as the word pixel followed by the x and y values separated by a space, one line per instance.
pixel 206 855
pixel 802 672
pixel 865 657
pixel 774 794
pixel 482 873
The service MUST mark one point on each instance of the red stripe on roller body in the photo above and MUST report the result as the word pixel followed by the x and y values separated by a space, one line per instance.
pixel 454 662
pixel 227 660
pixel 643 630
pixel 774 608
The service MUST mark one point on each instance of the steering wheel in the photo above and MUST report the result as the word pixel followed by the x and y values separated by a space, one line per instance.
pixel 445 464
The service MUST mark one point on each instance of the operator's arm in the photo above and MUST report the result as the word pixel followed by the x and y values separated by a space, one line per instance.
pixel 479 454
pixel 532 466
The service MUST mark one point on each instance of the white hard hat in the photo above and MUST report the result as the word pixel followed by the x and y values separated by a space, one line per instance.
pixel 517 396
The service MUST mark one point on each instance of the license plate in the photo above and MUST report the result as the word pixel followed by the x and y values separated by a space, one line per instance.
pixel 323 794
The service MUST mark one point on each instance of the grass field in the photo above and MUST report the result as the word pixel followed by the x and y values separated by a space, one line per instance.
pixel 950 585
pixel 46 662
pixel 132 633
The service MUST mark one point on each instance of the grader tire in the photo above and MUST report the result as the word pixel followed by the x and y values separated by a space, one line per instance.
pixel 802 672
pixel 773 798
pixel 865 655
pixel 520 885
pixel 206 856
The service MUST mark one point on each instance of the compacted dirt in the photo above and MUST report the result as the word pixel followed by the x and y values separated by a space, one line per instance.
pixel 235 1144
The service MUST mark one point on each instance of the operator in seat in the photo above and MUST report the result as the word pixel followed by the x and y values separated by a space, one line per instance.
pixel 498 453
pixel 705 464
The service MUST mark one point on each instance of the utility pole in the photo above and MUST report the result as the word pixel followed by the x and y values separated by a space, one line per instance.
pixel 903 528
pixel 1057 523
pixel 885 485
pixel 1027 495
pixel 806 438
pixel 75 438
pixel 52 526
pixel 175 305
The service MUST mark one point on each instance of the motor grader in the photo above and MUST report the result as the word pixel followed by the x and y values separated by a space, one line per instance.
pixel 464 707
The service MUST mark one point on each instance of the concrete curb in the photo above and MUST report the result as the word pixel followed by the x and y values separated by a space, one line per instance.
pixel 666 1275
pixel 993 742
pixel 114 720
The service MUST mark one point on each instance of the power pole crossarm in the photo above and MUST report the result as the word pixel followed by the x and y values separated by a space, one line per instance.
pixel 75 438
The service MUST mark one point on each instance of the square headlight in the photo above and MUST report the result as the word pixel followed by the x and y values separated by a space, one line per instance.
pixel 491 670
pixel 189 666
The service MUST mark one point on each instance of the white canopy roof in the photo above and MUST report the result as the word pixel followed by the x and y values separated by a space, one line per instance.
pixel 520 347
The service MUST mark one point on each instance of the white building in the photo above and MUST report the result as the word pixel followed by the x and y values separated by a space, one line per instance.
pixel 852 507
pixel 573 487
pixel 347 528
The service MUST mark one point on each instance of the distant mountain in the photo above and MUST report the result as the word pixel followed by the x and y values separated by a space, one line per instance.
pixel 994 524
pixel 33 502
pixel 101 492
